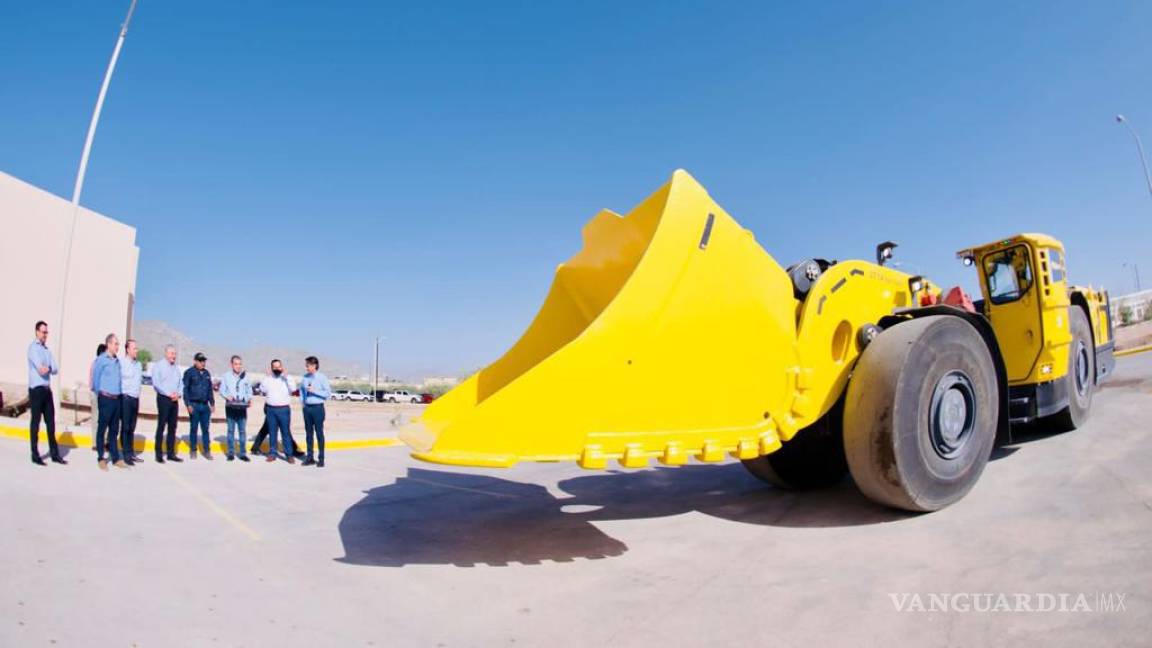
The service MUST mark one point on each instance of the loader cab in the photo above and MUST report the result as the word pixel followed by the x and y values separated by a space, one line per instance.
pixel 1025 292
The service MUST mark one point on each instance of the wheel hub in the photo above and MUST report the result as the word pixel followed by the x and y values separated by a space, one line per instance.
pixel 952 415
pixel 1081 368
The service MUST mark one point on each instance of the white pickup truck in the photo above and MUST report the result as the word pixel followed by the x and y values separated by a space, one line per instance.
pixel 400 396
pixel 350 395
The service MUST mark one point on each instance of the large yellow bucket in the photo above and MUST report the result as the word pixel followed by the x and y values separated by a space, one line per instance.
pixel 671 334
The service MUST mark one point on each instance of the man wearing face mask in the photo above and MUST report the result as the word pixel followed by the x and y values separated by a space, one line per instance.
pixel 262 434
pixel 278 390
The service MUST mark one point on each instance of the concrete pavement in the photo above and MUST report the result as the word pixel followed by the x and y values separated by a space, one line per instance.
pixel 377 549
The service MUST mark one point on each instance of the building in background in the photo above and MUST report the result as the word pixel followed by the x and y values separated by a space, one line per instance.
pixel 1138 306
pixel 34 227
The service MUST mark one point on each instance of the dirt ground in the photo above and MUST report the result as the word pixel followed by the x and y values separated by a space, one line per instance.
pixel 1133 335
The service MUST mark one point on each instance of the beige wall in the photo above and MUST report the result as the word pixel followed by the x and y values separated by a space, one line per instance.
pixel 34 228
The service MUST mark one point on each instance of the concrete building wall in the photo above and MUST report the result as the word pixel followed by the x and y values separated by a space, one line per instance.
pixel 34 228
pixel 1138 303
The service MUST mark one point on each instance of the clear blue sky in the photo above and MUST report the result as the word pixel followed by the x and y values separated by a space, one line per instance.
pixel 309 175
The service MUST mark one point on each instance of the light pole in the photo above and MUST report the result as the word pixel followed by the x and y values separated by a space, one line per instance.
pixel 1136 272
pixel 1121 119
pixel 376 369
pixel 79 187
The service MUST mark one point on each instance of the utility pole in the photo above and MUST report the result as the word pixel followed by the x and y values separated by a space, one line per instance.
pixel 1121 119
pixel 376 372
pixel 76 191
pixel 1136 272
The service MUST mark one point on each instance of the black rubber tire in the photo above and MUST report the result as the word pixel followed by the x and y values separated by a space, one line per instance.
pixel 1079 392
pixel 894 439
pixel 414 401
pixel 813 458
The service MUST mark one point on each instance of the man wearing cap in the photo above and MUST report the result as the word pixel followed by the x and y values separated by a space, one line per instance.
pixel 131 377
pixel 41 368
pixel 200 401
pixel 168 383
pixel 106 385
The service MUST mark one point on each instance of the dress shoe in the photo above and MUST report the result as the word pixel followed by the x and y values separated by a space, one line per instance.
pixel 270 457
pixel 320 464
pixel 208 456
pixel 256 451
pixel 38 461
pixel 159 458
pixel 231 458
pixel 175 459
pixel 129 461
pixel 299 454
pixel 103 463
pixel 60 460
pixel 291 460
pixel 244 458
pixel 308 462
pixel 120 464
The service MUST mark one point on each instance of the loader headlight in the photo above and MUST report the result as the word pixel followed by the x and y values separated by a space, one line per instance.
pixel 916 284
pixel 1046 369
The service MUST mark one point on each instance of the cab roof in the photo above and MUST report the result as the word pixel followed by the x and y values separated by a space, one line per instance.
pixel 1036 239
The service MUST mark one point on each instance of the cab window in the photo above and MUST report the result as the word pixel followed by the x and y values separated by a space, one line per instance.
pixel 1056 263
pixel 1008 273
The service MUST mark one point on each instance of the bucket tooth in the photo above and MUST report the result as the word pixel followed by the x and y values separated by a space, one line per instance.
pixel 593 458
pixel 634 457
pixel 673 454
pixel 712 451
pixel 746 449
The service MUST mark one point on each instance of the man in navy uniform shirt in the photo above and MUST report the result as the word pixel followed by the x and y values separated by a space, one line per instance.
pixel 200 401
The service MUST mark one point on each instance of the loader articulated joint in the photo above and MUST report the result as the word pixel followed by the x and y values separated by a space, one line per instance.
pixel 866 334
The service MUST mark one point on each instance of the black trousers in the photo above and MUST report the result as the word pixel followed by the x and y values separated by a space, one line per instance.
pixel 262 435
pixel 108 427
pixel 167 411
pixel 129 412
pixel 314 424
pixel 40 403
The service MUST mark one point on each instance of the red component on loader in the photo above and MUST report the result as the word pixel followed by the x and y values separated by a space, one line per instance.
pixel 960 299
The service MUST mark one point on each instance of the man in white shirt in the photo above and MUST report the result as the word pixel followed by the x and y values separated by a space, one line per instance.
pixel 278 390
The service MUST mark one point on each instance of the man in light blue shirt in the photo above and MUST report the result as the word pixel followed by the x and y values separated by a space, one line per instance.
pixel 106 385
pixel 41 368
pixel 168 382
pixel 237 394
pixel 314 390
pixel 131 377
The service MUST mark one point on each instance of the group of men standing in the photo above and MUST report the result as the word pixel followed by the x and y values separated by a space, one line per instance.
pixel 116 384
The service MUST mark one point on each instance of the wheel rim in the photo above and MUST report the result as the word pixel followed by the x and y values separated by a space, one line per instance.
pixel 1081 368
pixel 952 416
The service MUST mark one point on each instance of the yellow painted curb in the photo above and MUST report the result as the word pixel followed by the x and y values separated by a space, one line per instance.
pixel 75 440
pixel 1132 351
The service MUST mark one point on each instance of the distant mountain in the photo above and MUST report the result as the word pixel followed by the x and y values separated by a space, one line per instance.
pixel 154 335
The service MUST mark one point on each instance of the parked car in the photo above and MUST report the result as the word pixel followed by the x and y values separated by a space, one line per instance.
pixel 358 396
pixel 340 395
pixel 401 396
pixel 427 398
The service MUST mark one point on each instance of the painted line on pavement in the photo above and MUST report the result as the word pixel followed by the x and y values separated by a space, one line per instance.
pixel 71 439
pixel 213 506
pixel 1132 351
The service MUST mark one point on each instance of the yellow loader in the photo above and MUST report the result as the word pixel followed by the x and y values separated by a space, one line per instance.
pixel 826 367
